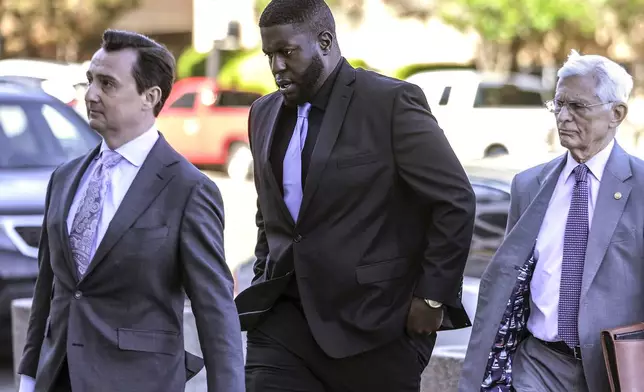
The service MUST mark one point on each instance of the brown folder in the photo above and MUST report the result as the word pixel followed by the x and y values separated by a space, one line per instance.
pixel 624 355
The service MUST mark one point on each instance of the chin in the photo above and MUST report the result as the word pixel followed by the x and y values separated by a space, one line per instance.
pixel 96 125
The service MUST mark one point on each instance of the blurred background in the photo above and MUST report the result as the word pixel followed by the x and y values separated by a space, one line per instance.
pixel 486 67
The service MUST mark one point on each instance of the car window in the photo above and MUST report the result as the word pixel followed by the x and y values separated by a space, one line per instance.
pixel 492 207
pixel 186 101
pixel 35 134
pixel 236 98
pixel 506 95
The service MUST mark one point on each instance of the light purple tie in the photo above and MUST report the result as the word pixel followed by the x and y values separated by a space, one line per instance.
pixel 574 255
pixel 85 224
pixel 292 165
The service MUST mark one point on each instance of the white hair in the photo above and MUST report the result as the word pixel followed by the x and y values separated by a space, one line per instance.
pixel 614 84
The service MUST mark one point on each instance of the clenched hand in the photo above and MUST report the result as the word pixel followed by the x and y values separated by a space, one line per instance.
pixel 422 318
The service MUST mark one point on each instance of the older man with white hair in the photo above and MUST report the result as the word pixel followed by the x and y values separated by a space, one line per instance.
pixel 572 262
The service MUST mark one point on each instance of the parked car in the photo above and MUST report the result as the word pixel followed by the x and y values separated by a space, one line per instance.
pixel 492 189
pixel 209 125
pixel 37 133
pixel 65 81
pixel 486 114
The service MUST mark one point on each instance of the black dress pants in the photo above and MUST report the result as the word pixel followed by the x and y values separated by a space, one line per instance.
pixel 282 356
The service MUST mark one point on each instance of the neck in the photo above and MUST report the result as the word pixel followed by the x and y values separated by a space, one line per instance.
pixel 116 139
pixel 332 64
pixel 583 156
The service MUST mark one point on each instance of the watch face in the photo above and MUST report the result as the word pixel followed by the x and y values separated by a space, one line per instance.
pixel 433 304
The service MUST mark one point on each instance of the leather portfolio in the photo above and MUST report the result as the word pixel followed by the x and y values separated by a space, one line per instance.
pixel 624 355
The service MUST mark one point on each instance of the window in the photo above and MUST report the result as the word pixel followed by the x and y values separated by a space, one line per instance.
pixel 236 98
pixel 186 101
pixel 506 95
pixel 445 96
pixel 35 134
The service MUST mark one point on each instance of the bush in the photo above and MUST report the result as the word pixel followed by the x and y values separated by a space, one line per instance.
pixel 191 63
pixel 248 71
pixel 411 69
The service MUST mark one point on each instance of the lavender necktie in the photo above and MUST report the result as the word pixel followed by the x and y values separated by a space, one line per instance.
pixel 86 220
pixel 574 255
pixel 292 165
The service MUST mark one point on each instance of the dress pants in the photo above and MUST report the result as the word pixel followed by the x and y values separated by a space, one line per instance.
pixel 282 356
pixel 537 368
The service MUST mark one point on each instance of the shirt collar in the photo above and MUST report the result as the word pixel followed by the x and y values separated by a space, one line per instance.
pixel 595 164
pixel 137 150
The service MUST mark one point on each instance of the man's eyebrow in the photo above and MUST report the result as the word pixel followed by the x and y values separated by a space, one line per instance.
pixel 101 76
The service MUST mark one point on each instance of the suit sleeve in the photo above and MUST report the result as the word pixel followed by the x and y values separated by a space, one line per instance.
pixel 428 165
pixel 209 285
pixel 261 246
pixel 513 215
pixel 41 300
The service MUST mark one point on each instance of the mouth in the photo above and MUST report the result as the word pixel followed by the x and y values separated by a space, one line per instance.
pixel 285 86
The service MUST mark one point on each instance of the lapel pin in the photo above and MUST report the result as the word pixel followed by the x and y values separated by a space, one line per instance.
pixel 617 195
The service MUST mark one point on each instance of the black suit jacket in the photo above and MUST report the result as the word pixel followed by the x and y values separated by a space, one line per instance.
pixel 121 325
pixel 387 214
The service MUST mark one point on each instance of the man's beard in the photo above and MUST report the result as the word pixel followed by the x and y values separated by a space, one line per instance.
pixel 308 83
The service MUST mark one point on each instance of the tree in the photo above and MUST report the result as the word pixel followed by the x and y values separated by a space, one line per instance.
pixel 507 27
pixel 56 28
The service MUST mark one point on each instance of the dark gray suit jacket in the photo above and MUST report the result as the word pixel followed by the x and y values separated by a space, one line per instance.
pixel 121 325
pixel 387 214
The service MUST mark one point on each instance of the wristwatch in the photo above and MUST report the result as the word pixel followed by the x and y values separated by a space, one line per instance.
pixel 433 304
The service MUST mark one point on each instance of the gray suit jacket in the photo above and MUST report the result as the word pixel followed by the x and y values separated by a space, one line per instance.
pixel 613 281
pixel 121 325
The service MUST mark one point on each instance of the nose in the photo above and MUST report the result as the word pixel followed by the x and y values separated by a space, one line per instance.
pixel 91 95
pixel 278 64
pixel 564 114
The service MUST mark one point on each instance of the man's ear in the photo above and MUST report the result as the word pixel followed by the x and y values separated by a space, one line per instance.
pixel 619 114
pixel 325 40
pixel 151 97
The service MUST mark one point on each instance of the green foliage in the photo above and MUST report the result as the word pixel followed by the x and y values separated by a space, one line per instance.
pixel 191 63
pixel 411 69
pixel 247 71
pixel 502 20
pixel 359 63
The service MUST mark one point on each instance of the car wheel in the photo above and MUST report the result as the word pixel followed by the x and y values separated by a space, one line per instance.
pixel 240 162
pixel 495 151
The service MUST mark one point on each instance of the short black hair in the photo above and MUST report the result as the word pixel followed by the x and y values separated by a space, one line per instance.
pixel 312 15
pixel 155 65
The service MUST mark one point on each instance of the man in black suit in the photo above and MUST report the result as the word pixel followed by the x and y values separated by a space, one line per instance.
pixel 129 230
pixel 365 218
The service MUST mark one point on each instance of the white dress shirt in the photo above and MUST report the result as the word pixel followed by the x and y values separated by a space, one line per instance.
pixel 543 322
pixel 134 153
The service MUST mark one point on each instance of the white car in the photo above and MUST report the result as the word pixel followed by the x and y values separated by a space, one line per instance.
pixel 489 114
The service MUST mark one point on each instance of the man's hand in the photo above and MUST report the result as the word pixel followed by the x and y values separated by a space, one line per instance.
pixel 423 319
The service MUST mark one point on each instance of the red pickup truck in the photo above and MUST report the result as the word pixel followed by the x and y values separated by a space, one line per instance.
pixel 208 125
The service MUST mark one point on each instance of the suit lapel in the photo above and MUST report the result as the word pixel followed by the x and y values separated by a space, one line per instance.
pixel 270 125
pixel 521 239
pixel 608 212
pixel 70 188
pixel 153 176
pixel 331 124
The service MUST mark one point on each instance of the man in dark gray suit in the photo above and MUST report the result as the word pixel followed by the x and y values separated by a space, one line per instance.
pixel 571 264
pixel 127 229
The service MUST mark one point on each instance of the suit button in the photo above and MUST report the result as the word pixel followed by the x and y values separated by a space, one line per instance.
pixel 297 238
pixel 78 295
